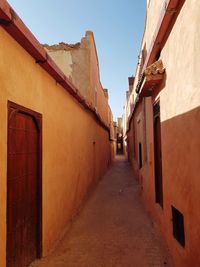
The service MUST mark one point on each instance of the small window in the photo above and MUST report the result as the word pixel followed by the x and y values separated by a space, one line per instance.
pixel 140 155
pixel 178 226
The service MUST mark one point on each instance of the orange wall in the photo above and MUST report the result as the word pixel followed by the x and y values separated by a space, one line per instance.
pixel 76 150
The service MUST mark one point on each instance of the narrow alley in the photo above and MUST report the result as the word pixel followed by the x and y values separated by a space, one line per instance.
pixel 99 139
pixel 112 229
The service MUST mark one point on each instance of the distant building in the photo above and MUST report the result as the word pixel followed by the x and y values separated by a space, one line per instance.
pixel 162 125
pixel 120 147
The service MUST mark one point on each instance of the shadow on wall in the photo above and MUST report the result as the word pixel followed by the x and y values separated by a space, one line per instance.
pixel 181 183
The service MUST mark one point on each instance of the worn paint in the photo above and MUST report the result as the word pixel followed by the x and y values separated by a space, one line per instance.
pixel 79 63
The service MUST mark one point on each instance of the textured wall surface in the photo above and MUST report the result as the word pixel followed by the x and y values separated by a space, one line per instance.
pixel 179 97
pixel 80 64
pixel 76 150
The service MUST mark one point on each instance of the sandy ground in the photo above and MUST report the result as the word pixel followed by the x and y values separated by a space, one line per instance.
pixel 112 230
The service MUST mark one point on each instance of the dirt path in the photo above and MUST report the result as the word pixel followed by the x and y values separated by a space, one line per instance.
pixel 113 229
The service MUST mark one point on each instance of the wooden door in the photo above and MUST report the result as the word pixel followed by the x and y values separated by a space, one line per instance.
pixel 158 155
pixel 23 187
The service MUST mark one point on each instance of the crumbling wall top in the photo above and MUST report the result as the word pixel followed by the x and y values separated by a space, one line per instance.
pixel 62 46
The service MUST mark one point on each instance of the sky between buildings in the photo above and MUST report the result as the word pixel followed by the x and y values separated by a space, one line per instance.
pixel 117 26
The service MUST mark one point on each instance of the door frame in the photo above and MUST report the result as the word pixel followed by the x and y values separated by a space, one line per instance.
pixel 37 117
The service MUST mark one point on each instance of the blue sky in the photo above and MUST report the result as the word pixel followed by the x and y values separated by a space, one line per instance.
pixel 117 26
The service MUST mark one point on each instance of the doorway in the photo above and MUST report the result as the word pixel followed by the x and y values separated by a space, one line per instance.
pixel 158 155
pixel 24 186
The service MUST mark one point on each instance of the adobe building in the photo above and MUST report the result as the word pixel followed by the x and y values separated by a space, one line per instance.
pixel 79 62
pixel 55 141
pixel 163 124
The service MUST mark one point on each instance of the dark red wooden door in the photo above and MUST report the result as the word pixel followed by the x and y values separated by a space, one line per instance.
pixel 158 155
pixel 22 189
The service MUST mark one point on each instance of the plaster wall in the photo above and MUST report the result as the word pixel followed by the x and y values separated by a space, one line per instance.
pixel 74 62
pixel 154 9
pixel 80 64
pixel 135 136
pixel 76 150
pixel 182 63
pixel 101 101
pixel 65 61
pixel 180 115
